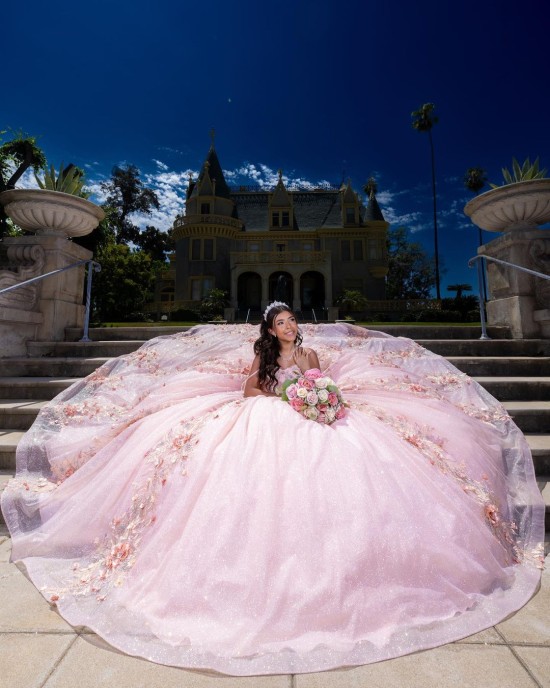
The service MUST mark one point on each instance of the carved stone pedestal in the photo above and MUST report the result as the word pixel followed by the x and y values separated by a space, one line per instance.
pixel 519 300
pixel 516 295
pixel 40 311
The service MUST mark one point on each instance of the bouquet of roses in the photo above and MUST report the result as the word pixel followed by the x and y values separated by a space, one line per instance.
pixel 314 396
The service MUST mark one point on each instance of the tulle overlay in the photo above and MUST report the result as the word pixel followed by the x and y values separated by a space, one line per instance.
pixel 188 525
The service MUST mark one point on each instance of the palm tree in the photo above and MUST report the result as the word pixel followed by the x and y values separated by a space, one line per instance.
pixel 16 156
pixel 424 119
pixel 475 179
pixel 370 187
pixel 459 288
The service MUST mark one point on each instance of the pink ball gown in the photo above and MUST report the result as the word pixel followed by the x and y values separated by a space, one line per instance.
pixel 188 525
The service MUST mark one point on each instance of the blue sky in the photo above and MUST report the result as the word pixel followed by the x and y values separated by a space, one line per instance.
pixel 323 90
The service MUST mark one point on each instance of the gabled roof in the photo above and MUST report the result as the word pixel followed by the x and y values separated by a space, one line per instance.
pixel 372 211
pixel 349 194
pixel 212 167
pixel 312 209
pixel 281 197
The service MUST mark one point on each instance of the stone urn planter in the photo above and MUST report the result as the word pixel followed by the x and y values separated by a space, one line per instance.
pixel 523 205
pixel 51 212
pixel 517 298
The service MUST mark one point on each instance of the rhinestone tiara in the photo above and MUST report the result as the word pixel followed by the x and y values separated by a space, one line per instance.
pixel 273 305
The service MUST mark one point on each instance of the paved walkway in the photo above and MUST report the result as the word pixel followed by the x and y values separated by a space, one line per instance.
pixel 38 649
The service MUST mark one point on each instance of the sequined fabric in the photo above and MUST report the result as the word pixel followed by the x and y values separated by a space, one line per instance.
pixel 193 527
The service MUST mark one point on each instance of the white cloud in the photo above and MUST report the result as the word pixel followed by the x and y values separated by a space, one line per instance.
pixel 161 165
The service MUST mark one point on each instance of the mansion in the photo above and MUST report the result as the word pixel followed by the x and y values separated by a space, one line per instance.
pixel 303 247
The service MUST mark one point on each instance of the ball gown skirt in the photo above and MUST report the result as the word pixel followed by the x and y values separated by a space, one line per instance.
pixel 188 525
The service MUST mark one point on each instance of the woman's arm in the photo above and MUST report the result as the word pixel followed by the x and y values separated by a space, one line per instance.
pixel 252 385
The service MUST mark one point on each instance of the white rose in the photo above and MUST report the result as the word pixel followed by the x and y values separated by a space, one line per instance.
pixel 302 392
pixel 323 395
pixel 311 413
pixel 321 382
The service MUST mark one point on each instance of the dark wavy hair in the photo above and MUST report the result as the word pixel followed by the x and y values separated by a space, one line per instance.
pixel 267 347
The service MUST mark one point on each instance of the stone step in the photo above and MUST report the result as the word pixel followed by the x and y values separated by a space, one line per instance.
pixel 37 388
pixel 501 365
pixel 56 366
pixel 19 414
pixel 540 449
pixel 80 367
pixel 73 334
pixel 443 347
pixel 508 388
pixel 530 416
pixel 411 331
pixel 487 347
pixel 9 439
pixel 503 388
pixel 83 349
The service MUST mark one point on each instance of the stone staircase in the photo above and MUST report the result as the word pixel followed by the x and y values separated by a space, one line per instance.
pixel 517 372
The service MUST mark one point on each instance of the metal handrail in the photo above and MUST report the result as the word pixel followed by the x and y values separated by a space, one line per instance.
pixel 92 267
pixel 471 262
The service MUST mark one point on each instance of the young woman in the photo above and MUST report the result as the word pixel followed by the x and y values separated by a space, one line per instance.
pixel 277 349
pixel 194 527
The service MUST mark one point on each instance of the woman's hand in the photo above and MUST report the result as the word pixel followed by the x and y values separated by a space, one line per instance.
pixel 306 359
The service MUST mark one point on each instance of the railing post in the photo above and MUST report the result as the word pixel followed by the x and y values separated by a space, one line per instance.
pixel 91 266
pixel 484 334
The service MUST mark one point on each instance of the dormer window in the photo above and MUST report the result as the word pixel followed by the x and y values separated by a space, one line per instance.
pixel 205 208
pixel 350 216
pixel 280 218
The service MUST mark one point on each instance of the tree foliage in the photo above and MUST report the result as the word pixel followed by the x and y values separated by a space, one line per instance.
pixel 156 243
pixel 17 155
pixel 126 194
pixel 423 121
pixel 125 283
pixel 475 179
pixel 213 304
pixel 352 300
pixel 459 289
pixel 411 272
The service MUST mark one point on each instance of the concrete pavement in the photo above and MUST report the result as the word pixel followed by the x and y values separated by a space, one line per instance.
pixel 38 649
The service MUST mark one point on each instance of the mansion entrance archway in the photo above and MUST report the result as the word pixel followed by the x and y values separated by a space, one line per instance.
pixel 312 290
pixel 249 291
pixel 281 287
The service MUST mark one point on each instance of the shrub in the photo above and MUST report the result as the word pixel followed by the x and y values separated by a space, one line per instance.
pixel 439 316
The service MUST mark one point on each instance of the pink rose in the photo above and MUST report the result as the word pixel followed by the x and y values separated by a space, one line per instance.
pixel 313 373
pixel 312 398
pixel 291 391
pixel 332 398
pixel 305 383
pixel 340 413
pixel 297 404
